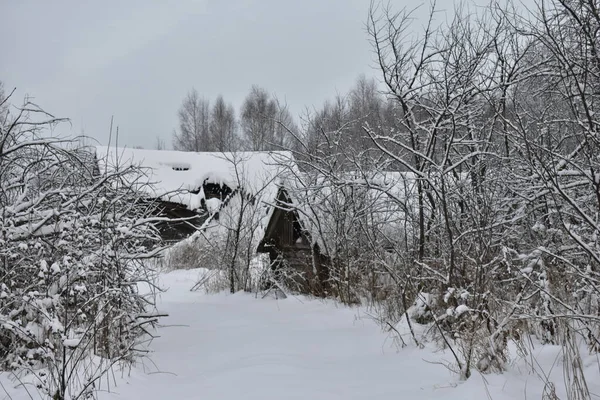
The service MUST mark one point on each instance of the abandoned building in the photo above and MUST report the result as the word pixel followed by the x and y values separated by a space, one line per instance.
pixel 200 194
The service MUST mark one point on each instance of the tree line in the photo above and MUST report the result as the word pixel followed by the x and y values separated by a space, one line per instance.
pixel 264 123
pixel 261 124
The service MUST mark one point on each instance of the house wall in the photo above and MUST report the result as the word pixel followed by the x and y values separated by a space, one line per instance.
pixel 301 267
pixel 304 270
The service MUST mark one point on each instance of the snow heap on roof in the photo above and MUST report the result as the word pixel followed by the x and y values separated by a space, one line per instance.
pixel 178 176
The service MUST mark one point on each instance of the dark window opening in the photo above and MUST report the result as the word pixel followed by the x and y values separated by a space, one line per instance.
pixel 214 190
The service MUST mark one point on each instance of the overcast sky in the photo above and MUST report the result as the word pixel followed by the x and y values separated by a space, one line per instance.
pixel 136 59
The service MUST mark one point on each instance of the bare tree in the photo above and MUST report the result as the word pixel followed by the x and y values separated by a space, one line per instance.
pixel 3 103
pixel 160 143
pixel 363 105
pixel 366 106
pixel 194 124
pixel 230 235
pixel 223 126
pixel 258 119
pixel 263 120
pixel 447 83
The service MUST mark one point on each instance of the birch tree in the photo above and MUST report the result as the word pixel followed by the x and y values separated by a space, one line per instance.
pixel 194 124
pixel 223 126
pixel 262 120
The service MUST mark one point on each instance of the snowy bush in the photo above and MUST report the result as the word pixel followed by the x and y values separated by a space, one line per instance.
pixel 73 241
pixel 192 253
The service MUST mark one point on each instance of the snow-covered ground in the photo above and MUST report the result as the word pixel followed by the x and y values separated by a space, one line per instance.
pixel 242 347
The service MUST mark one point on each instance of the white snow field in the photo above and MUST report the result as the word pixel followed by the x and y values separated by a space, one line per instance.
pixel 232 347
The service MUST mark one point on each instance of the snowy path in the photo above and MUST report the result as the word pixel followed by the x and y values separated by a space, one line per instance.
pixel 238 347
pixel 233 347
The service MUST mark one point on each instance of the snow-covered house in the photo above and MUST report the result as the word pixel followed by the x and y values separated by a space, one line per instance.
pixel 289 215
pixel 198 186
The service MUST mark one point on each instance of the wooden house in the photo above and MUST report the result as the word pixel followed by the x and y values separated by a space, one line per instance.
pixel 291 249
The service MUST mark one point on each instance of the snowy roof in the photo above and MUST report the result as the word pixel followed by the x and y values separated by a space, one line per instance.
pixel 178 176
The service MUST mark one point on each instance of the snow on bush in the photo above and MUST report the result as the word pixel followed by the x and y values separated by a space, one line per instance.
pixel 73 241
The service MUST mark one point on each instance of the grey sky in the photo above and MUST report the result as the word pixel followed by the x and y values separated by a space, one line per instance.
pixel 136 59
